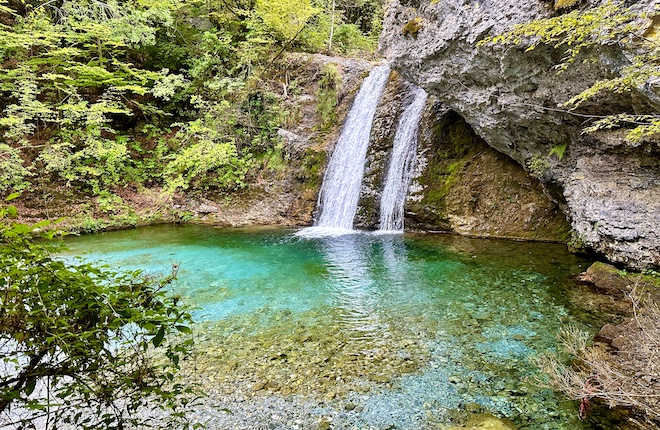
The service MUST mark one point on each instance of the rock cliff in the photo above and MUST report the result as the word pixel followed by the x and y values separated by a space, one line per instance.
pixel 609 190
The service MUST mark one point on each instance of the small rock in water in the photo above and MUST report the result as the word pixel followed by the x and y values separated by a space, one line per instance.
pixel 380 378
pixel 473 407
pixel 454 379
pixel 486 422
pixel 350 406
pixel 325 423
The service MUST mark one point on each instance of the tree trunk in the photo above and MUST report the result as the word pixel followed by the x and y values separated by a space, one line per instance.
pixel 332 27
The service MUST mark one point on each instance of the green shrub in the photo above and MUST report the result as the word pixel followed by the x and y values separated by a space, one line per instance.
pixel 207 165
pixel 84 346
pixel 85 158
pixel 12 171
pixel 349 39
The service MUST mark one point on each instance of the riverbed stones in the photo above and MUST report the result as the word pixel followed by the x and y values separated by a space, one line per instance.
pixel 350 406
pixel 325 423
pixel 285 359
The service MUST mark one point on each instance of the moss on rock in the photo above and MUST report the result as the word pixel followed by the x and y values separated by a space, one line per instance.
pixel 486 422
pixel 612 281
pixel 412 27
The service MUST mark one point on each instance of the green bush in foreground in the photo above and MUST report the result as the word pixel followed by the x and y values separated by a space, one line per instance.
pixel 84 345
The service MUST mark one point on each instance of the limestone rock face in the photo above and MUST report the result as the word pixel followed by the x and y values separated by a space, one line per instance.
pixel 609 190
pixel 464 186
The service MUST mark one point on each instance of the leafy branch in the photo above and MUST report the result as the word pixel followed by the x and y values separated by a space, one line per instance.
pixel 611 24
pixel 82 344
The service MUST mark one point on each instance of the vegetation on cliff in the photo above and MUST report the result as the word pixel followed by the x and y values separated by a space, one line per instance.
pixel 612 24
pixel 622 372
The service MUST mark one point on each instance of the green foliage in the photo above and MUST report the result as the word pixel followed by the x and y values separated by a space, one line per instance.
pixel 537 165
pixel 85 345
pixel 577 242
pixel 211 161
pixel 108 202
pixel 286 18
pixel 366 14
pixel 156 93
pixel 349 39
pixel 85 156
pixel 12 172
pixel 207 164
pixel 66 75
pixel 612 24
pixel 314 36
pixel 311 171
pixel 355 26
pixel 559 151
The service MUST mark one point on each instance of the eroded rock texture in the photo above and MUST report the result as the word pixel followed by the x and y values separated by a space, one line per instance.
pixel 609 190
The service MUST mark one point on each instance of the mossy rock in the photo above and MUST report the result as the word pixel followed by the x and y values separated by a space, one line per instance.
pixel 566 4
pixel 469 188
pixel 412 27
pixel 486 422
pixel 612 281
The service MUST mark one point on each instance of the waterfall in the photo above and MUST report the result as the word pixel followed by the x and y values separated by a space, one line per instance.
pixel 340 192
pixel 402 162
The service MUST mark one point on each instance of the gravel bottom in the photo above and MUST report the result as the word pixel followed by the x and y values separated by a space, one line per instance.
pixel 373 411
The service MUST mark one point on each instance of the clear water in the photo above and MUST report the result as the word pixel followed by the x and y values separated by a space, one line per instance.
pixel 426 326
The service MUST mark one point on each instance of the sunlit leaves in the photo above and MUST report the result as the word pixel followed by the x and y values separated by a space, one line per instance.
pixel 12 173
pixel 209 163
pixel 80 78
pixel 169 85
pixel 286 17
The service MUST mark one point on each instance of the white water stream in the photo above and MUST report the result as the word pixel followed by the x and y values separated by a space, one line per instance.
pixel 402 163
pixel 340 192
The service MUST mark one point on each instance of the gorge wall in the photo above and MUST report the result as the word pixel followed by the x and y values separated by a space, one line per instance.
pixel 608 189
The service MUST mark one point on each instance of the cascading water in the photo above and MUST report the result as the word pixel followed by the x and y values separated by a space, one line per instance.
pixel 401 165
pixel 338 198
